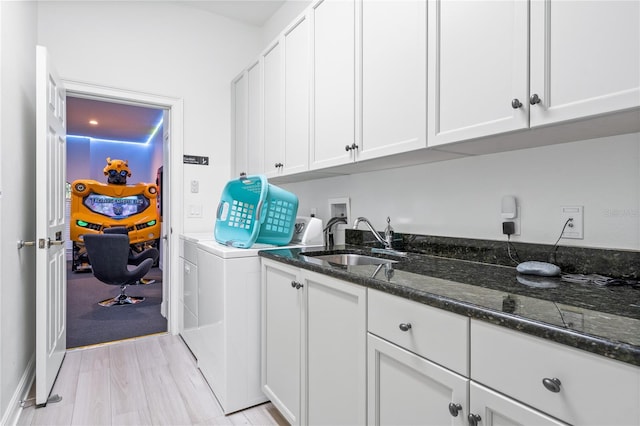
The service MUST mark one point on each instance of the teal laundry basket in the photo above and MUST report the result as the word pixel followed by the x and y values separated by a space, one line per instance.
pixel 252 210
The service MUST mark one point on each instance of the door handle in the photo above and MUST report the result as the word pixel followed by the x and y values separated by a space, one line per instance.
pixel 49 242
pixel 22 243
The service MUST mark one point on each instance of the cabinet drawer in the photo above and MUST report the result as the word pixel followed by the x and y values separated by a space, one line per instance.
pixel 189 251
pixel 592 390
pixel 435 334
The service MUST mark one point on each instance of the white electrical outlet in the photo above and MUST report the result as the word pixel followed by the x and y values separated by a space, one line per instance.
pixel 195 186
pixel 574 228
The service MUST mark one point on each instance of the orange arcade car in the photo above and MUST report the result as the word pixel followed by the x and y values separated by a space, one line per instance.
pixel 96 206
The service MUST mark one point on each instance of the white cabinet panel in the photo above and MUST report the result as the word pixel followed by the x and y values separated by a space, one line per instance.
pixel 336 318
pixel 489 408
pixel 478 64
pixel 333 82
pixel 281 338
pixel 394 77
pixel 440 336
pixel 591 389
pixel 273 110
pixel 405 389
pixel 585 58
pixel 297 83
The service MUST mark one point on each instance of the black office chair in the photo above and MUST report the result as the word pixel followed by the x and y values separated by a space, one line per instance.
pixel 135 258
pixel 108 254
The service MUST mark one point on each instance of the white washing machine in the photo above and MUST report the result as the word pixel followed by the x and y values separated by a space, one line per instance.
pixel 229 316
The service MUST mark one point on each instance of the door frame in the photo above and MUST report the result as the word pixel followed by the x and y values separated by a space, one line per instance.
pixel 174 162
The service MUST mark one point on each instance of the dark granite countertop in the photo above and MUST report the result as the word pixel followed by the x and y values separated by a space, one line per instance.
pixel 601 320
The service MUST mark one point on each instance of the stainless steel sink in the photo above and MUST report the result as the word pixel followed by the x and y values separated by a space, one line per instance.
pixel 352 259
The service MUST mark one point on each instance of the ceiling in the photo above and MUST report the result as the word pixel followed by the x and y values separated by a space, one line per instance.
pixel 119 122
pixel 254 12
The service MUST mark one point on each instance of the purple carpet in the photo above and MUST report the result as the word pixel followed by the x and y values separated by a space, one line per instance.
pixel 89 323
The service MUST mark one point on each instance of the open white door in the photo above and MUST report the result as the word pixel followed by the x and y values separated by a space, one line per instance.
pixel 51 269
pixel 166 215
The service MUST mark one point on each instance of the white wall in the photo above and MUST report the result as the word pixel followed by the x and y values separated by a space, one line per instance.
pixel 87 160
pixel 17 138
pixel 462 198
pixel 165 49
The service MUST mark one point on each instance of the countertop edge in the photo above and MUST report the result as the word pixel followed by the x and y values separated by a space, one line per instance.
pixel 623 352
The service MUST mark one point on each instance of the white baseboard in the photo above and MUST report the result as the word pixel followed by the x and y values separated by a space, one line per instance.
pixel 12 414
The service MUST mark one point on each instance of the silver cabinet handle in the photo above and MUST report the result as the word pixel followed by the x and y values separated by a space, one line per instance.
pixel 296 285
pixel 534 99
pixel 405 327
pixel 552 385
pixel 353 146
pixel 515 104
pixel 474 419
pixel 454 409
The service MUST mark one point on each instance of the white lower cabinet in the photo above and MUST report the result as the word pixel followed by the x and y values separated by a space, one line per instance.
pixel 281 339
pixel 405 389
pixel 338 353
pixel 489 408
pixel 569 384
pixel 314 346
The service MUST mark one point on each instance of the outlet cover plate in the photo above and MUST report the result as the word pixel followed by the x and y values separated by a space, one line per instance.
pixel 574 229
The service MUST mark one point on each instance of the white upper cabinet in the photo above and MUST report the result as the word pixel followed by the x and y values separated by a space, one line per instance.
pixel 585 58
pixel 333 59
pixel 394 78
pixel 499 66
pixel 273 109
pixel 255 147
pixel 478 69
pixel 297 71
pixel 239 98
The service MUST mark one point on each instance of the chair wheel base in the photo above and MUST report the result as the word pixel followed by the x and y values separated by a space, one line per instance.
pixel 121 300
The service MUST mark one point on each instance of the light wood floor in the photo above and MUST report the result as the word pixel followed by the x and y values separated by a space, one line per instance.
pixel 148 381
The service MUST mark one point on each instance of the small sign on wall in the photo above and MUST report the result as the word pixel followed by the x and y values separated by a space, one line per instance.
pixel 195 159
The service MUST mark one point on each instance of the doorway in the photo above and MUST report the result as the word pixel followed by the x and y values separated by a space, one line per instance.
pixel 112 147
pixel 159 158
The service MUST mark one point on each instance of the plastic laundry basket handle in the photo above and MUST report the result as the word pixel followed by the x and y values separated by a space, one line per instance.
pixel 220 207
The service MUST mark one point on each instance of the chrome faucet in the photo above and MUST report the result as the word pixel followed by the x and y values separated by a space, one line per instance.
pixel 328 233
pixel 388 232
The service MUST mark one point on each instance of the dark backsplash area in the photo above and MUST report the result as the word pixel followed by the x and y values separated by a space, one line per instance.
pixel 571 259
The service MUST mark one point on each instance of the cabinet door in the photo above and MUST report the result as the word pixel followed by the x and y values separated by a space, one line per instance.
pixel 333 83
pixel 273 111
pixel 394 77
pixel 490 408
pixel 296 98
pixel 478 65
pixel 255 147
pixel 239 104
pixel 335 351
pixel 281 338
pixel 585 58
pixel 405 389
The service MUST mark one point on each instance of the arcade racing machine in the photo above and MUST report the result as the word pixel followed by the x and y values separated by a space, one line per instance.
pixel 96 206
